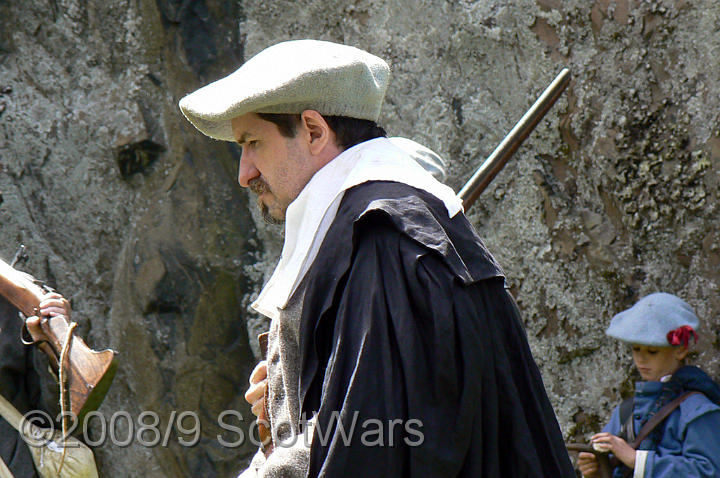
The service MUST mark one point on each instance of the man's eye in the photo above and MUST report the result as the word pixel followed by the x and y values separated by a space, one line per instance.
pixel 252 143
pixel 652 352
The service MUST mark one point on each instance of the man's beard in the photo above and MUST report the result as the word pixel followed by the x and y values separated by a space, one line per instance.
pixel 259 186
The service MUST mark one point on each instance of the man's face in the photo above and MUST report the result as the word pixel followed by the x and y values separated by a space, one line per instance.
pixel 275 167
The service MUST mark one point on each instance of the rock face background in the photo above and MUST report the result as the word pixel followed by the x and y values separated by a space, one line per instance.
pixel 137 218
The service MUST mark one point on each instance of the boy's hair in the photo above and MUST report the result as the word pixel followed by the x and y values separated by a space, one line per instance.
pixel 348 131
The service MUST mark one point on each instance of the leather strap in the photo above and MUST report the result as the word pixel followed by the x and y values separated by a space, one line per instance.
pixel 13 417
pixel 661 415
pixel 10 413
pixel 4 470
pixel 627 429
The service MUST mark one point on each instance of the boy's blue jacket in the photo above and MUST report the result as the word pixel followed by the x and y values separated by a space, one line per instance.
pixel 687 444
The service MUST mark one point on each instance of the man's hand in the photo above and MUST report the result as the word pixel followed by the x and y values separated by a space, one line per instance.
pixel 255 395
pixel 617 446
pixel 51 305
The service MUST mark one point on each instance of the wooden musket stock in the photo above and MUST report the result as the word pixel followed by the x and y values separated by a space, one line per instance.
pixel 89 372
pixel 264 432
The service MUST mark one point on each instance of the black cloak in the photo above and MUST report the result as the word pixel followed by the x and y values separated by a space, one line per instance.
pixel 414 357
pixel 26 383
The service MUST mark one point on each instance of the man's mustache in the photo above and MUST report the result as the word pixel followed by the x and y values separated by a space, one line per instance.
pixel 259 186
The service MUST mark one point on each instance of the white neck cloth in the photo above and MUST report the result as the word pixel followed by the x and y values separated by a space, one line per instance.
pixel 309 216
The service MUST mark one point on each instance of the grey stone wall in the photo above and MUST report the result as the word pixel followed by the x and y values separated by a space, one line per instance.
pixel 137 218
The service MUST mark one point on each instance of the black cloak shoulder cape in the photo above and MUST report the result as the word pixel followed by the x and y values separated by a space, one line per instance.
pixel 414 358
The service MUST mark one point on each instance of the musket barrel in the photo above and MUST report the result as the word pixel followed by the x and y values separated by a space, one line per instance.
pixel 522 129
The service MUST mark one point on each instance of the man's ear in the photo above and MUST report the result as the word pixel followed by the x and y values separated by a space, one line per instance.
pixel 319 134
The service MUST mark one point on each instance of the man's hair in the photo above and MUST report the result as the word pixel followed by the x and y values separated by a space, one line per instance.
pixel 348 131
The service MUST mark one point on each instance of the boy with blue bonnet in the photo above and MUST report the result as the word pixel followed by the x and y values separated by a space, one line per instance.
pixel 684 444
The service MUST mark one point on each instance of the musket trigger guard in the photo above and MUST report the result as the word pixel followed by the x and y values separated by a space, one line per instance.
pixel 26 338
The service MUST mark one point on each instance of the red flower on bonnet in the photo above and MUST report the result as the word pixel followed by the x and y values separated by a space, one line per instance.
pixel 681 335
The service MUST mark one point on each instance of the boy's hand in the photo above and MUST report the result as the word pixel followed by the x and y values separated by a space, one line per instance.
pixel 617 446
pixel 588 465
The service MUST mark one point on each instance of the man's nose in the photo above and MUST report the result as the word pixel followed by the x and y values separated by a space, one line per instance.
pixel 246 170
